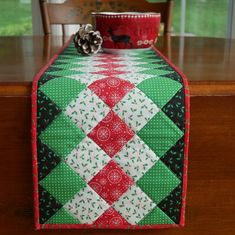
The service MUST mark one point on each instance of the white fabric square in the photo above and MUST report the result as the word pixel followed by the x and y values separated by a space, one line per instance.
pixel 87 110
pixel 133 69
pixel 87 159
pixel 135 158
pixel 88 69
pixel 134 77
pixel 134 205
pixel 129 62
pixel 136 109
pixel 87 205
pixel 85 78
pixel 85 63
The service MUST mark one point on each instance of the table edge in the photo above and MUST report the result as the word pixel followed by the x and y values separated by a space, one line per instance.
pixel 210 88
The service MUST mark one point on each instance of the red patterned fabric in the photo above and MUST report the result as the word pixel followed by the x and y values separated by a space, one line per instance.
pixel 111 89
pixel 111 217
pixel 111 182
pixel 111 134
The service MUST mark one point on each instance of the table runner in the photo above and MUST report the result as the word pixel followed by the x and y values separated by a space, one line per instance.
pixel 110 141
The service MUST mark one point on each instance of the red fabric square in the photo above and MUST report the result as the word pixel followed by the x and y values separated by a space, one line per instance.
pixel 111 217
pixel 111 182
pixel 111 134
pixel 109 72
pixel 111 89
pixel 111 65
pixel 109 60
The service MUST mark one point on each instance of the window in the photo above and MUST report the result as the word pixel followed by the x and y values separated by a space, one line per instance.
pixel 15 17
pixel 209 18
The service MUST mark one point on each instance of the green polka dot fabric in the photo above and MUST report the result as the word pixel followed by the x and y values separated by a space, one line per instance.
pixel 163 182
pixel 61 216
pixel 64 188
pixel 156 216
pixel 167 133
pixel 62 90
pixel 62 136
pixel 166 89
pixel 110 141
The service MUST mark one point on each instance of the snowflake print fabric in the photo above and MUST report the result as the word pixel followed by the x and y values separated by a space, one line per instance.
pixel 110 141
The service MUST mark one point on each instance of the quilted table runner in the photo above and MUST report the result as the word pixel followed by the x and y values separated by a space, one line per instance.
pixel 110 141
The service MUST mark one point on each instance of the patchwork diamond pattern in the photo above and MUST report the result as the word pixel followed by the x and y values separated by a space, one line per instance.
pixel 167 134
pixel 66 187
pixel 134 78
pixel 62 136
pixel 167 88
pixel 111 182
pixel 61 217
pixel 85 79
pixel 111 89
pixel 156 72
pixel 134 205
pixel 111 134
pixel 70 88
pixel 136 158
pixel 48 205
pixel 111 217
pixel 156 216
pixel 110 141
pixel 107 72
pixel 164 182
pixel 63 72
pixel 45 106
pixel 136 109
pixel 109 66
pixel 87 110
pixel 47 160
pixel 89 68
pixel 87 159
pixel 87 205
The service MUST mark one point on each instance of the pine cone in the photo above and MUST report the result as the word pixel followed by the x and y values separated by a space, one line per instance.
pixel 87 41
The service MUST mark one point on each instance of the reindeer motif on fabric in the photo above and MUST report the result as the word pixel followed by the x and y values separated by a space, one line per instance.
pixel 117 39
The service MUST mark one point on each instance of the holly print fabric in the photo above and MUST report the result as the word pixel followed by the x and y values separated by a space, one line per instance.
pixel 110 141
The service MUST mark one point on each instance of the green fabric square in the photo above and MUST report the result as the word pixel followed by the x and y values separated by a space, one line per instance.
pixel 156 216
pixel 64 72
pixel 147 60
pixel 157 72
pixel 62 136
pixel 69 60
pixel 67 66
pixel 160 90
pixel 62 90
pixel 158 182
pixel 63 183
pixel 160 134
pixel 62 217
pixel 151 66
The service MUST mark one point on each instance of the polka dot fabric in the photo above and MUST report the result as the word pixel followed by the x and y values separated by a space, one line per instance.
pixel 166 89
pixel 62 90
pixel 62 136
pixel 105 141
pixel 66 187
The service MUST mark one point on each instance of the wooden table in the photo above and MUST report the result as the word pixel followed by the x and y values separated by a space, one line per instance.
pixel 210 66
